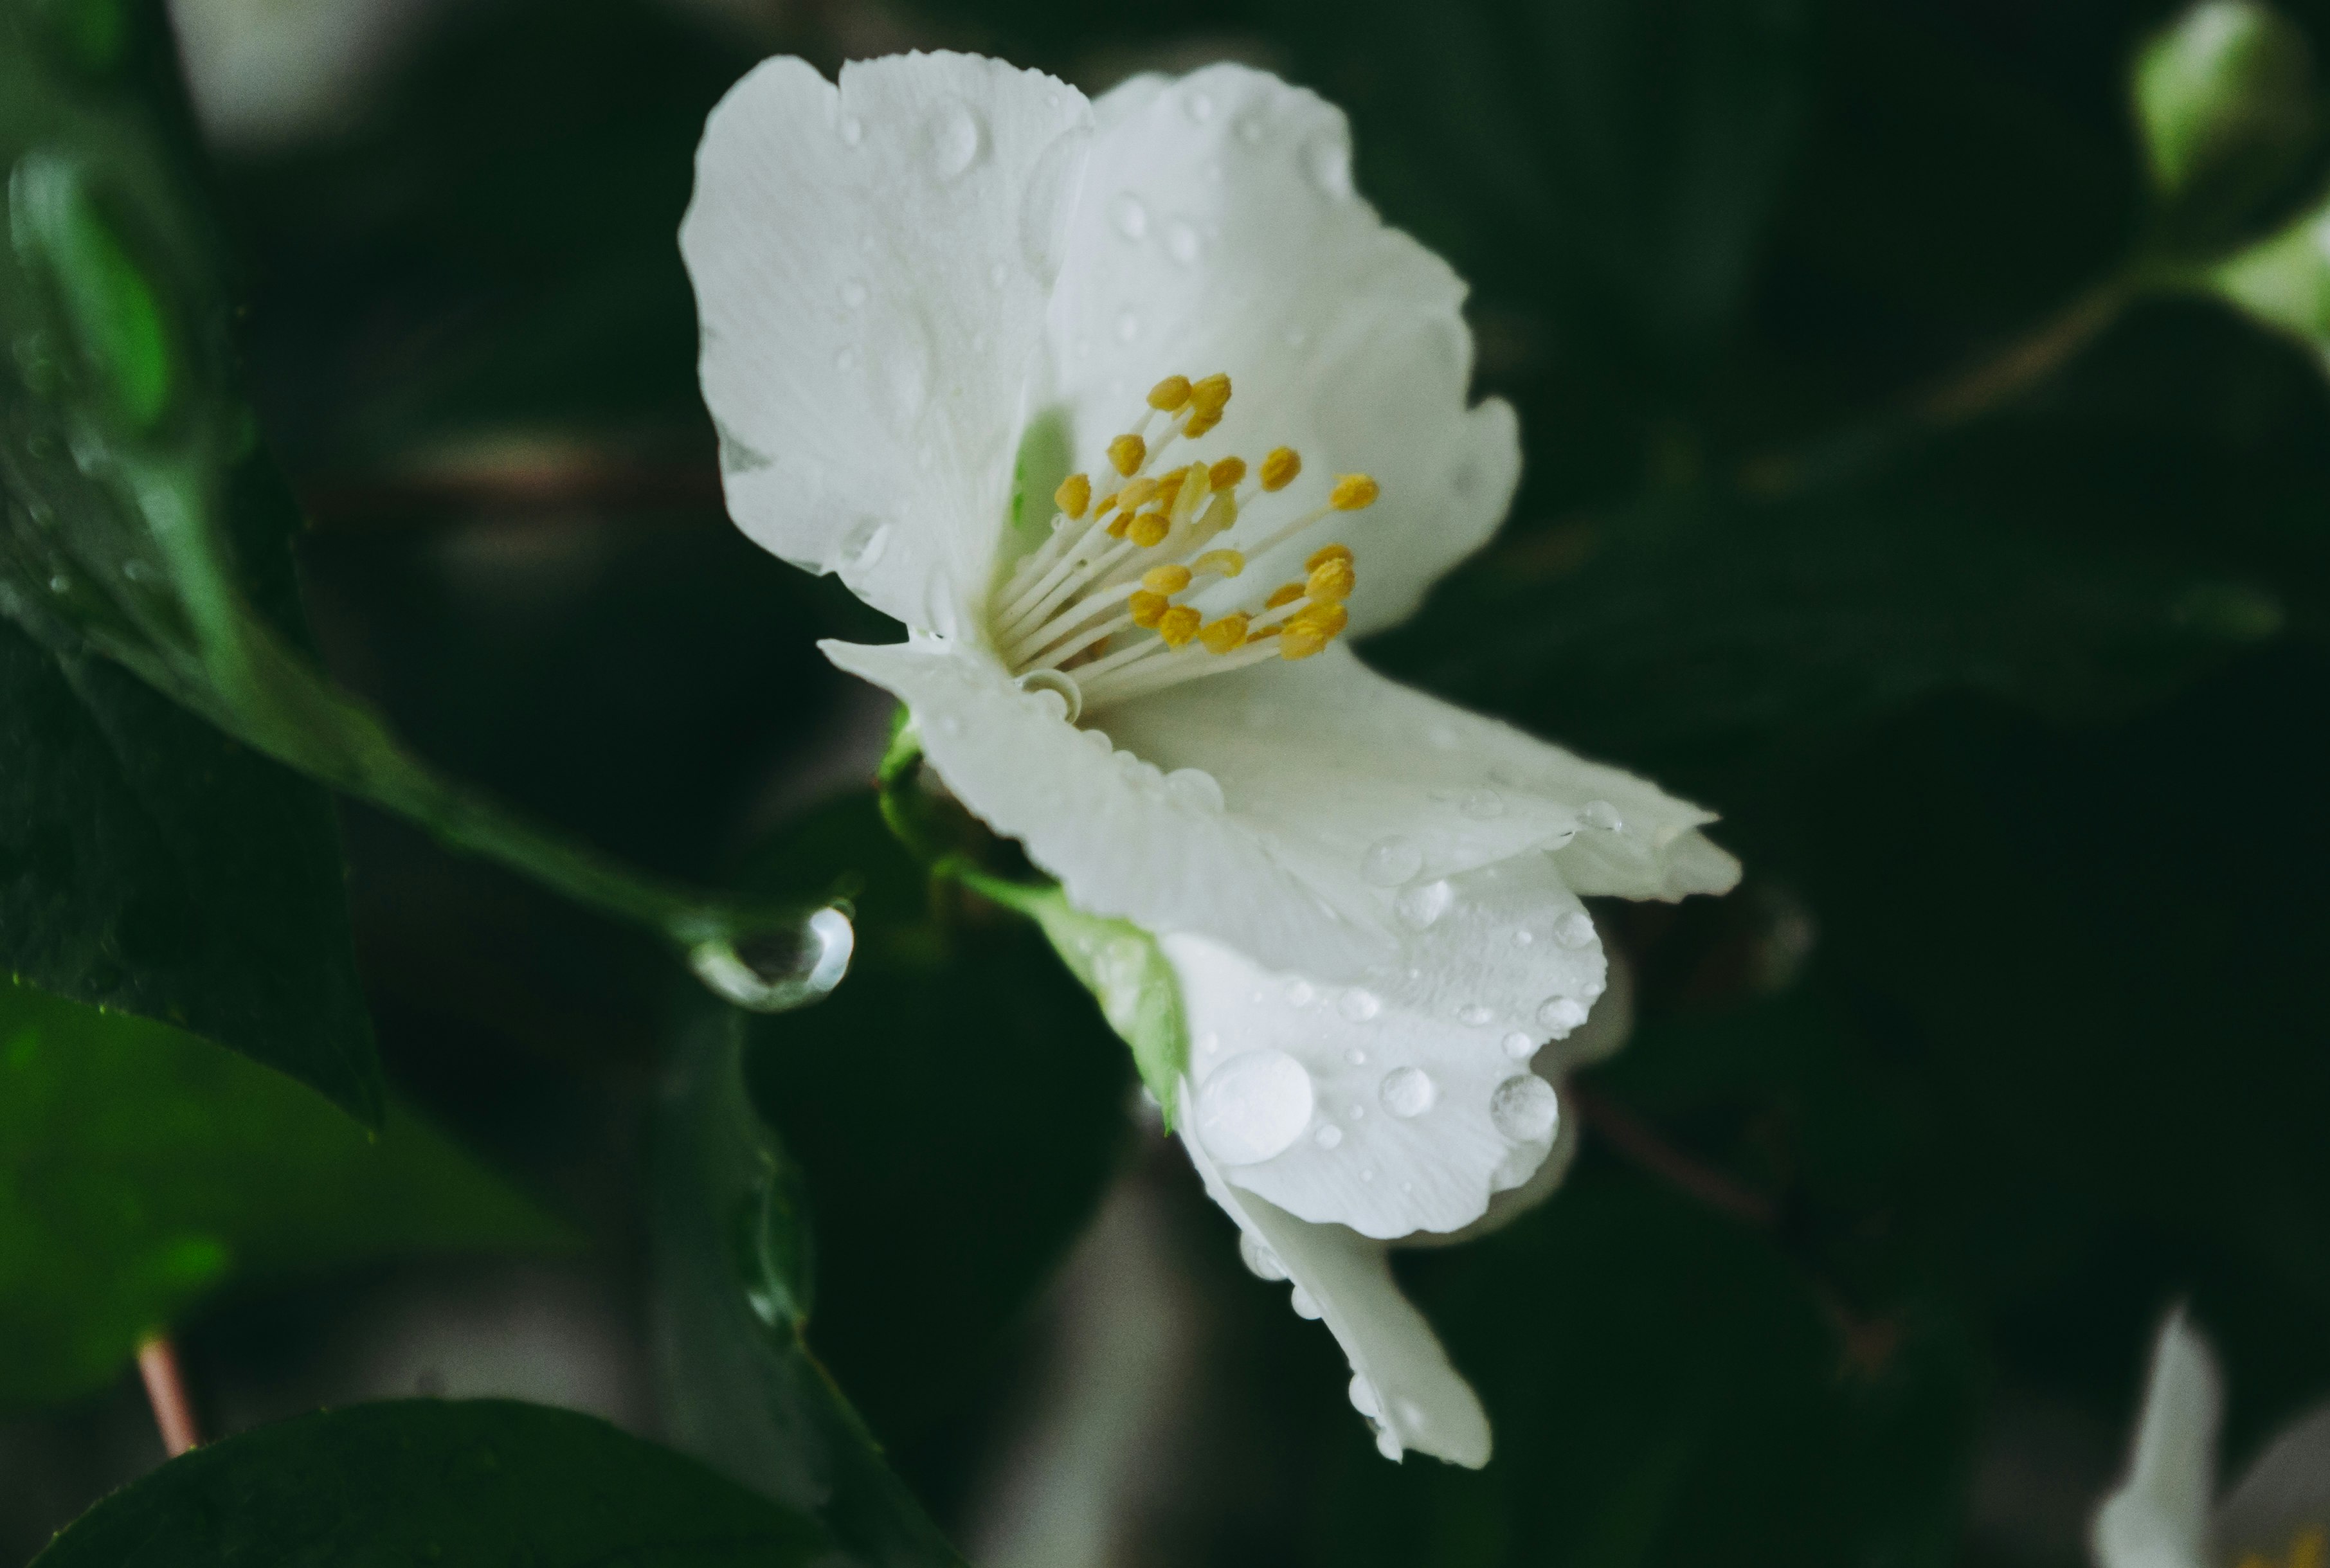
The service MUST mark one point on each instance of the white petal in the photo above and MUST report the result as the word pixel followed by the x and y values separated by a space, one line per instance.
pixel 2159 1517
pixel 1339 1107
pixel 1396 1362
pixel 2283 1494
pixel 1121 838
pixel 1219 232
pixel 872 265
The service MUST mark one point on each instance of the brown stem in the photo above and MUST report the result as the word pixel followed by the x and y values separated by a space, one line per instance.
pixel 1636 1140
pixel 2027 362
pixel 166 1391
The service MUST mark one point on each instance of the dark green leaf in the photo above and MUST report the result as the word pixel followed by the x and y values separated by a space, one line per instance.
pixel 142 1168
pixel 481 1484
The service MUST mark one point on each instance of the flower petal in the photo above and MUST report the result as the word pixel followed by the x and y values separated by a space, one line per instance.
pixel 1341 1108
pixel 1123 838
pixel 2159 1517
pixel 1401 1377
pixel 2283 1494
pixel 1219 233
pixel 872 265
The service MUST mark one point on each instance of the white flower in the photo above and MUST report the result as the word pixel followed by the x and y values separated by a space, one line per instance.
pixel 1129 410
pixel 2167 1513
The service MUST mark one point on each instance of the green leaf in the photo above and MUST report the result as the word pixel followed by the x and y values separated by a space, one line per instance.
pixel 2283 281
pixel 1120 964
pixel 2225 105
pixel 477 1484
pixel 141 1169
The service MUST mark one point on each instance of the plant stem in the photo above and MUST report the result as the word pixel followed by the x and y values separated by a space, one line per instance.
pixel 166 1391
pixel 1637 1142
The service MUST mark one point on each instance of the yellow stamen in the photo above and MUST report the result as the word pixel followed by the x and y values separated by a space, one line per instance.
pixel 1260 632
pixel 1331 581
pixel 1178 624
pixel 1116 528
pixel 1146 608
pixel 1137 495
pixel 1312 630
pixel 1148 530
pixel 1074 494
pixel 1220 563
pixel 1284 594
pixel 1226 472
pixel 1200 421
pixel 1165 579
pixel 1169 487
pixel 1228 633
pixel 1126 452
pixel 1106 502
pixel 1353 491
pixel 1196 486
pixel 1169 394
pixel 1281 468
pixel 1326 553
pixel 1210 396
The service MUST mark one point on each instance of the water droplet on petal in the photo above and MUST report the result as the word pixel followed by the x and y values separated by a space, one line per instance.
pixel 1182 243
pixel 1411 1414
pixel 1363 1397
pixel 1064 698
pixel 1358 1005
pixel 955 140
pixel 1327 159
pixel 1098 740
pixel 1523 937
pixel 1328 1136
pixel 1525 1107
pixel 770 973
pixel 1481 804
pixel 1407 1091
pixel 1574 929
pixel 1419 907
pixel 863 546
pixel 1253 1106
pixel 60 583
pixel 1201 106
pixel 1389 862
pixel 1260 1260
pixel 1306 1305
pixel 1520 1047
pixel 1302 993
pixel 1474 1013
pixel 853 130
pixel 1130 218
pixel 1561 1014
pixel 853 294
pixel 1388 1445
pixel 1603 815
pixel 1195 787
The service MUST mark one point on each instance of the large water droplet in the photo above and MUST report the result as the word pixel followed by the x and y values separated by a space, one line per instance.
pixel 1525 1107
pixel 1253 1106
pixel 1195 787
pixel 1306 1305
pixel 1520 1047
pixel 1328 1136
pixel 1481 804
pixel 1407 1091
pixel 1327 159
pixel 777 970
pixel 955 139
pixel 1058 685
pixel 1182 243
pixel 1302 993
pixel 1358 1005
pixel 1561 1014
pixel 1260 1260
pixel 1603 815
pixel 1389 862
pixel 1388 1445
pixel 1130 218
pixel 1419 907
pixel 1574 929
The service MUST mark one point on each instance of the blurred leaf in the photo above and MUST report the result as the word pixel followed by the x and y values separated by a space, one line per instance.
pixel 1671 1393
pixel 479 1484
pixel 2224 99
pixel 141 1169
pixel 2284 281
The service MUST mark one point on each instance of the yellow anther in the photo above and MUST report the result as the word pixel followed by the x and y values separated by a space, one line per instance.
pixel 1137 495
pixel 1282 595
pixel 1168 485
pixel 1200 421
pixel 1117 525
pixel 1074 494
pixel 1146 608
pixel 1126 453
pixel 1312 630
pixel 1331 581
pixel 1165 579
pixel 1228 633
pixel 1279 468
pixel 1326 553
pixel 1226 472
pixel 1221 513
pixel 1169 394
pixel 1148 530
pixel 1220 563
pixel 1106 502
pixel 1179 625
pixel 1260 632
pixel 1210 396
pixel 1353 491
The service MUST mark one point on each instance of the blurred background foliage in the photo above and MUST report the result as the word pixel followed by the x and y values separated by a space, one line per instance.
pixel 1928 467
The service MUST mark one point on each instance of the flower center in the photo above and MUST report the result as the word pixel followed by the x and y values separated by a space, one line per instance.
pixel 2310 1548
pixel 1103 609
